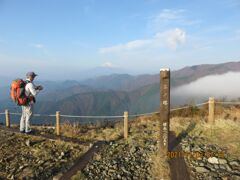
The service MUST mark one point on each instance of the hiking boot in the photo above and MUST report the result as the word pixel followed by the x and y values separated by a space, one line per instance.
pixel 29 132
pixel 22 132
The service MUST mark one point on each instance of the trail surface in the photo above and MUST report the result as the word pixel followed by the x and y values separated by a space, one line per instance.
pixel 178 168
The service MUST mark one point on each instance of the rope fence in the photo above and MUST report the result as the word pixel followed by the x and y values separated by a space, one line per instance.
pixel 189 106
pixel 92 117
pixel 16 113
pixel 45 115
pixel 38 115
pixel 133 115
pixel 230 103
pixel 201 104
pixel 144 114
pixel 125 116
pixel 176 109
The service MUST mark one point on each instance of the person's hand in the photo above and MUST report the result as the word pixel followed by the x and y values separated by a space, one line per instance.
pixel 40 88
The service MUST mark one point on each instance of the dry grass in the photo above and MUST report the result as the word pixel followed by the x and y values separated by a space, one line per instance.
pixel 228 113
pixel 78 176
pixel 225 132
pixel 91 132
pixel 71 130
pixel 140 131
pixel 192 111
pixel 160 167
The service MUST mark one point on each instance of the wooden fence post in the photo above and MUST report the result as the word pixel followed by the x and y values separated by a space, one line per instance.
pixel 125 125
pixel 164 109
pixel 211 109
pixel 7 118
pixel 58 123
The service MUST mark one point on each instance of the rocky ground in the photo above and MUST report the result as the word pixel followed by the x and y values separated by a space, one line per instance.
pixel 209 161
pixel 126 159
pixel 120 160
pixel 27 157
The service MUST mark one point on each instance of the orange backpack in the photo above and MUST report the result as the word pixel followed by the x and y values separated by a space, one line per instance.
pixel 18 92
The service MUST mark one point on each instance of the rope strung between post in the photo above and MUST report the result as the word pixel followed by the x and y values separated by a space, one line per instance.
pixel 91 117
pixel 134 115
pixel 175 109
pixel 185 107
pixel 231 103
pixel 15 113
pixel 201 104
pixel 145 114
pixel 45 115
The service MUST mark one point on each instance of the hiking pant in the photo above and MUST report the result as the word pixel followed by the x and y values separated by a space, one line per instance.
pixel 25 122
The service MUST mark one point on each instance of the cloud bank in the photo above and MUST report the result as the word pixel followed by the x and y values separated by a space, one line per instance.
pixel 218 86
pixel 171 39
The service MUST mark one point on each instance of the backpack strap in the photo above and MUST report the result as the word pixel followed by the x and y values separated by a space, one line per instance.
pixel 30 97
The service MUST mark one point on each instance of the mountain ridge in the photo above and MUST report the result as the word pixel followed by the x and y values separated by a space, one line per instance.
pixel 137 94
pixel 179 77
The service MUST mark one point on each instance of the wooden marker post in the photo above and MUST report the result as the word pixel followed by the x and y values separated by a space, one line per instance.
pixel 211 107
pixel 7 118
pixel 164 109
pixel 58 123
pixel 125 125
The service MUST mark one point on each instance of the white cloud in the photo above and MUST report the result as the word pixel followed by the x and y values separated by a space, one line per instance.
pixel 107 64
pixel 171 39
pixel 169 14
pixel 169 18
pixel 218 86
pixel 132 45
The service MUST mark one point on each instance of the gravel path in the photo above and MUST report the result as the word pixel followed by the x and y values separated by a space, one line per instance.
pixel 120 160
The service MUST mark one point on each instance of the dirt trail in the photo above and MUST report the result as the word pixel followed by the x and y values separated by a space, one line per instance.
pixel 83 160
pixel 178 168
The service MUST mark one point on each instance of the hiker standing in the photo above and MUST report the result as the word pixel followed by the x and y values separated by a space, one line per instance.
pixel 27 110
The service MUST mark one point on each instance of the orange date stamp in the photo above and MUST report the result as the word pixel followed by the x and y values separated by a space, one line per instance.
pixel 195 155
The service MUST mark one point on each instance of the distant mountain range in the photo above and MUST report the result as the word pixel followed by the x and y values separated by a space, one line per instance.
pixel 100 71
pixel 183 76
pixel 113 94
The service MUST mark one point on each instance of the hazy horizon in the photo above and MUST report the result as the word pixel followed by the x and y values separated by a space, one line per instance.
pixel 84 75
pixel 219 85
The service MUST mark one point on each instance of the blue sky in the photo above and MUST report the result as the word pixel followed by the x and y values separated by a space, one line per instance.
pixel 61 38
